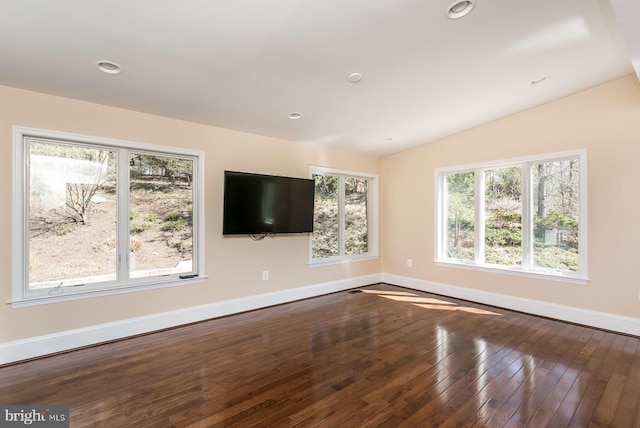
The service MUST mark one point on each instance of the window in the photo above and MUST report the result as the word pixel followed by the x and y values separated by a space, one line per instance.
pixel 93 215
pixel 526 215
pixel 345 219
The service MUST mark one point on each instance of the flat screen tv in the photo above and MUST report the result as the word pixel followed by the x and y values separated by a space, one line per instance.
pixel 266 204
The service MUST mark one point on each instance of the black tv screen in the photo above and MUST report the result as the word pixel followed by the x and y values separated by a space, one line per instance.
pixel 266 204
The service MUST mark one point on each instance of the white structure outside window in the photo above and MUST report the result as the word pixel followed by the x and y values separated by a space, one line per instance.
pixel 95 216
pixel 524 216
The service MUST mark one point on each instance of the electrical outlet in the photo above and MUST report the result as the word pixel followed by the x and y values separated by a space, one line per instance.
pixel 265 275
pixel 409 263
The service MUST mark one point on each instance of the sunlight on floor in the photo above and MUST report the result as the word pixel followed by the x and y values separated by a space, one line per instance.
pixel 428 302
pixel 389 293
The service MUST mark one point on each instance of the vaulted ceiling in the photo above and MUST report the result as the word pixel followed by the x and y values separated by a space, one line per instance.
pixel 248 64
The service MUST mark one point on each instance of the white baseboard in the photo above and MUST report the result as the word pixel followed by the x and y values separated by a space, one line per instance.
pixel 63 341
pixel 66 340
pixel 587 317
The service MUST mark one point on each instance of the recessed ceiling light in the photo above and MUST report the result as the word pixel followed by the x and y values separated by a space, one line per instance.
pixel 538 81
pixel 354 77
pixel 294 115
pixel 459 8
pixel 108 67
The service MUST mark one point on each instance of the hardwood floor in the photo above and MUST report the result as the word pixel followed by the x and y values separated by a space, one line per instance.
pixel 381 357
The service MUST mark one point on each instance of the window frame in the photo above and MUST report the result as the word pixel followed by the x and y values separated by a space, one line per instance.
pixel 372 217
pixel 527 268
pixel 21 295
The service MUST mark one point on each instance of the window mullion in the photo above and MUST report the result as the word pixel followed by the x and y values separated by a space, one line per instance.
pixel 21 211
pixel 479 196
pixel 442 216
pixel 122 231
pixel 582 215
pixel 527 217
pixel 341 215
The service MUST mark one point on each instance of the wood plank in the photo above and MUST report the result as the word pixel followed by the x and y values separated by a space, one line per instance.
pixel 386 356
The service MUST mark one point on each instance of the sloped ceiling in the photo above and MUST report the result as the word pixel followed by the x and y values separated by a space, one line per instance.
pixel 628 18
pixel 247 64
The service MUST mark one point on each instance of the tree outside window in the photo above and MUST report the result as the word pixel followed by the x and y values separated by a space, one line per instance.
pixel 102 214
pixel 529 211
pixel 343 219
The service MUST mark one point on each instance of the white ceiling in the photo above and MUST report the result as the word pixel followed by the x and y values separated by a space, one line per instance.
pixel 246 64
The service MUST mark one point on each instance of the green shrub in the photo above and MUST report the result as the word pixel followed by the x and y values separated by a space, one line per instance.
pixel 552 257
pixel 152 217
pixel 511 236
pixel 138 226
pixel 461 253
pixel 172 216
pixel 173 226
pixel 508 256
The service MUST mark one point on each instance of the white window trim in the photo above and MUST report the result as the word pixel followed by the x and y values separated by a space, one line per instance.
pixel 580 277
pixel 20 298
pixel 372 219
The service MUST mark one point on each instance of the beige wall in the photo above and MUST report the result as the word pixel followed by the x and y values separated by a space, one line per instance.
pixel 233 264
pixel 605 120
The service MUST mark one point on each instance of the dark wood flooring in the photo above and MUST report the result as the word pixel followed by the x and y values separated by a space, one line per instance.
pixel 381 357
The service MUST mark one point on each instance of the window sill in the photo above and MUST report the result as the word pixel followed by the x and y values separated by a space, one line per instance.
pixel 87 293
pixel 341 260
pixel 545 275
